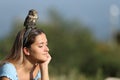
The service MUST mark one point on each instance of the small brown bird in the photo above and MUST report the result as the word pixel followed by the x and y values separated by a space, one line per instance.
pixel 31 19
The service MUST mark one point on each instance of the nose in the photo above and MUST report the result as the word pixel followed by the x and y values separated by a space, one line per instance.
pixel 46 49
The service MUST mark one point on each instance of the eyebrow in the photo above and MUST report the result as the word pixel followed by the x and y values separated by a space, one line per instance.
pixel 42 42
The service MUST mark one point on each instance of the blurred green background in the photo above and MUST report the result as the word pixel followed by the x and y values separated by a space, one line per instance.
pixel 76 52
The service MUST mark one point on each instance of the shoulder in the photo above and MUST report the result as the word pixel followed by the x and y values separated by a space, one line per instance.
pixel 7 67
pixel 8 70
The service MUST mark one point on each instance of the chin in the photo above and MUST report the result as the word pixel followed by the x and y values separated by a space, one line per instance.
pixel 42 60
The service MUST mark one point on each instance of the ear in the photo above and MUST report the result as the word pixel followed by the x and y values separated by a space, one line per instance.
pixel 26 51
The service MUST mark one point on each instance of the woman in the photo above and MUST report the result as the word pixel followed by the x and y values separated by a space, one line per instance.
pixel 29 57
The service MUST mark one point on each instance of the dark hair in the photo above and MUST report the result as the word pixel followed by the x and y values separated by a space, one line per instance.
pixel 31 37
pixel 17 48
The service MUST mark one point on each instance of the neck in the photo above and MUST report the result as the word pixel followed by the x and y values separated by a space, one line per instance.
pixel 26 65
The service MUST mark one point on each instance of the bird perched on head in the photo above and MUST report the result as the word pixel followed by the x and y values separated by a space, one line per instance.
pixel 31 19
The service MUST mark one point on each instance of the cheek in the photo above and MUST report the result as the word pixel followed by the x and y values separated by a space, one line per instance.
pixel 41 57
pixel 38 54
pixel 36 50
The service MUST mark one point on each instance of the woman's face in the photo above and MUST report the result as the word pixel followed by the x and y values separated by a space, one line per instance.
pixel 39 49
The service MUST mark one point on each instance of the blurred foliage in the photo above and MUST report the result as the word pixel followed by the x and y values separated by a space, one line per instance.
pixel 73 49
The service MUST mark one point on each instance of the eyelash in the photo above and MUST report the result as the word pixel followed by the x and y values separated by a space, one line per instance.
pixel 40 46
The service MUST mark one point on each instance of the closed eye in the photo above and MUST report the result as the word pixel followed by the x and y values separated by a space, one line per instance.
pixel 40 46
